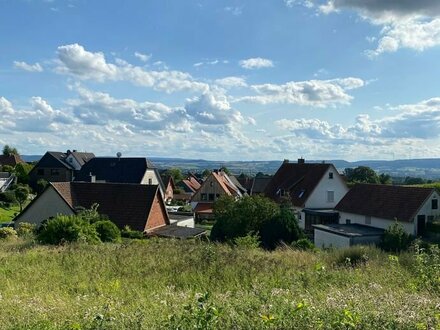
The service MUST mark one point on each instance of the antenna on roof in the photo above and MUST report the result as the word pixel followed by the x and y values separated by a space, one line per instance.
pixel 118 154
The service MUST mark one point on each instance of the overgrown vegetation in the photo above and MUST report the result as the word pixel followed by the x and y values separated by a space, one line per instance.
pixel 395 238
pixel 171 284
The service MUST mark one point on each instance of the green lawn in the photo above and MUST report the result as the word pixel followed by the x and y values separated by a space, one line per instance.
pixel 168 284
pixel 7 214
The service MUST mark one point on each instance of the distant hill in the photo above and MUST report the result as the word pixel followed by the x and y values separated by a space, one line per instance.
pixel 428 168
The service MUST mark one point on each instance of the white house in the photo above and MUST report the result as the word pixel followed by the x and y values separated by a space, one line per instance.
pixel 314 189
pixel 380 206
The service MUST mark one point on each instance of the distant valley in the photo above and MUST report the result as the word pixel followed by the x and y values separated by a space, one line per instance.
pixel 428 168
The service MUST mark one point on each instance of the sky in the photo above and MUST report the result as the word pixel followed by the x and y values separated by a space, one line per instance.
pixel 222 80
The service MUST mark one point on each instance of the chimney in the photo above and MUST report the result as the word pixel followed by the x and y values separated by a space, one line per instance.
pixel 285 161
pixel 301 160
pixel 92 178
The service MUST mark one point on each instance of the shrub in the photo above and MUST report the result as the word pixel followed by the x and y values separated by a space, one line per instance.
pixel 7 233
pixel 8 197
pixel 281 228
pixel 26 229
pixel 127 232
pixel 67 229
pixel 250 241
pixel 107 231
pixel 427 267
pixel 304 244
pixel 395 239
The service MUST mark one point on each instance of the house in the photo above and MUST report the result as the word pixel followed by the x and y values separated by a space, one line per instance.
pixel 140 207
pixel 217 184
pixel 120 170
pixel 187 187
pixel 10 160
pixel 314 189
pixel 169 188
pixel 57 166
pixel 259 185
pixel 381 205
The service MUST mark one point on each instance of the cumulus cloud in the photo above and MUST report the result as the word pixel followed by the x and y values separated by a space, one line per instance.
pixel 256 63
pixel 405 23
pixel 414 121
pixel 36 67
pixel 317 93
pixel 76 61
pixel 6 107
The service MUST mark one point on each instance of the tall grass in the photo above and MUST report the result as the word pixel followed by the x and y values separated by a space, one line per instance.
pixel 166 284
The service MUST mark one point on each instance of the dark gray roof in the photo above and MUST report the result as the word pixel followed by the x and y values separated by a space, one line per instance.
pixel 174 231
pixel 352 230
pixel 82 157
pixel 113 169
pixel 259 184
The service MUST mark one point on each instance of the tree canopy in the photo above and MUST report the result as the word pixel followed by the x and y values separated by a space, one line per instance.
pixel 361 174
pixel 7 151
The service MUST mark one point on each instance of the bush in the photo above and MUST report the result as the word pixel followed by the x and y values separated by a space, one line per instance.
pixel 26 229
pixel 107 231
pixel 8 233
pixel 8 197
pixel 395 239
pixel 127 232
pixel 352 256
pixel 67 229
pixel 250 241
pixel 281 228
pixel 304 244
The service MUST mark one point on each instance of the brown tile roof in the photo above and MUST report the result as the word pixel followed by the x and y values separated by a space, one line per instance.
pixel 192 183
pixel 10 160
pixel 384 201
pixel 202 207
pixel 298 179
pixel 124 204
pixel 259 184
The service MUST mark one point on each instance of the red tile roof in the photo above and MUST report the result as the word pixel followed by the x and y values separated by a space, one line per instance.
pixel 203 207
pixel 384 201
pixel 124 204
pixel 297 179
pixel 10 160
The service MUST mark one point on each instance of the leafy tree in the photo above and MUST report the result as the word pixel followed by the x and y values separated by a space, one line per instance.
pixel 22 172
pixel 175 173
pixel 385 178
pixel 21 195
pixel 411 181
pixel 361 174
pixel 225 169
pixel 7 151
pixel 41 185
pixel 206 173
pixel 7 168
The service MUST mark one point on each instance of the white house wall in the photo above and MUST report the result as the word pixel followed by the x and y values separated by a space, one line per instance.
pixel 150 174
pixel 318 198
pixel 324 239
pixel 427 210
pixel 409 227
pixel 49 204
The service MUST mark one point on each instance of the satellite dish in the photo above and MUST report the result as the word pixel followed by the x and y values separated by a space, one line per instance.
pixel 118 154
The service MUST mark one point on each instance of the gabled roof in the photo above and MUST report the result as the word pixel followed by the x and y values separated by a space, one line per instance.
pixel 384 201
pixel 191 184
pixel 10 160
pixel 114 169
pixel 124 204
pixel 297 179
pixel 168 180
pixel 58 159
pixel 259 184
pixel 82 157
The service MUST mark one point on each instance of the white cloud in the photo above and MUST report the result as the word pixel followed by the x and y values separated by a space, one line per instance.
pixel 5 107
pixel 82 64
pixel 142 57
pixel 405 23
pixel 230 82
pixel 36 67
pixel 256 63
pixel 317 93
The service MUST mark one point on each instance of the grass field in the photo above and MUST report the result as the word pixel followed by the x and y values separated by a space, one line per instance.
pixel 153 284
pixel 7 214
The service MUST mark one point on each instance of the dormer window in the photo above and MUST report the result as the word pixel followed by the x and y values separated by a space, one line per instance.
pixel 330 175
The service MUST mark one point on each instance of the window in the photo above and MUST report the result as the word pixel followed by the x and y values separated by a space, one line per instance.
pixel 54 171
pixel 330 175
pixel 330 196
pixel 40 171
pixel 434 204
pixel 348 221
pixel 217 196
pixel 211 197
pixel 367 220
pixel 301 193
pixel 204 197
pixel 150 181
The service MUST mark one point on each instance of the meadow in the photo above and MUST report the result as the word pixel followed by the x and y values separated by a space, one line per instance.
pixel 170 284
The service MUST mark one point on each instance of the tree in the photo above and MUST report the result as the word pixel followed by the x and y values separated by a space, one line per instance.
pixel 206 173
pixel 225 169
pixel 22 172
pixel 361 174
pixel 7 151
pixel 385 179
pixel 175 173
pixel 22 194
pixel 395 238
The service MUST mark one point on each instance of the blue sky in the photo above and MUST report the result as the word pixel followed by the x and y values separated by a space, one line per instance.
pixel 222 80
